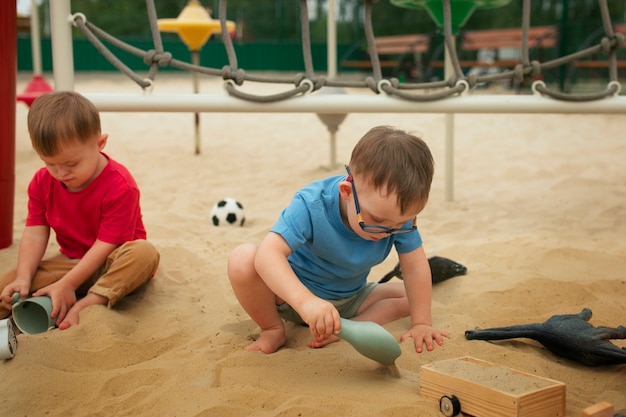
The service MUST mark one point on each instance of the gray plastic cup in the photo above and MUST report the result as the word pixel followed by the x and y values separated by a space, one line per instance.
pixel 32 315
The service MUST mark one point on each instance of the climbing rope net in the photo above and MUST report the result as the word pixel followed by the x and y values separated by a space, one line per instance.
pixel 308 81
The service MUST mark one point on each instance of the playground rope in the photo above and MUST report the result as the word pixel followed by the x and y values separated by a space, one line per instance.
pixel 307 82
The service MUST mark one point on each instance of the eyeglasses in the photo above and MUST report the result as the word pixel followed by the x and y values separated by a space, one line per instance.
pixel 375 228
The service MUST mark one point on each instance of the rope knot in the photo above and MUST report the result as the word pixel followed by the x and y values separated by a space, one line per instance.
pixel 319 83
pixel 472 80
pixel 536 66
pixel 372 84
pixel 161 58
pixel 605 45
pixel 612 44
pixel 298 78
pixel 451 82
pixel 238 75
pixel 518 73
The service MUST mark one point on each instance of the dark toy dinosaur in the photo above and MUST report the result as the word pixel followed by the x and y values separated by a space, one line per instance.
pixel 570 336
pixel 440 268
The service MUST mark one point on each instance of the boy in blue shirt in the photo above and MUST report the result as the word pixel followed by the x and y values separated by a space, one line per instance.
pixel 312 267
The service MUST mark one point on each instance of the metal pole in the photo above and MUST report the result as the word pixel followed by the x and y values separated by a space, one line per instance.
pixel 62 51
pixel 331 42
pixel 449 123
pixel 334 120
pixel 352 103
pixel 563 41
pixel 195 60
pixel 35 38
pixel 8 99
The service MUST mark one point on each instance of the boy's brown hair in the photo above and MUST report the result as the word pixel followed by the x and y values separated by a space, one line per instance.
pixel 400 161
pixel 61 116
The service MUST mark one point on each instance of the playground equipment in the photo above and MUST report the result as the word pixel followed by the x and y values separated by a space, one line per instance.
pixel 447 96
pixel 38 84
pixel 332 121
pixel 8 50
pixel 450 16
pixel 194 26
pixel 461 10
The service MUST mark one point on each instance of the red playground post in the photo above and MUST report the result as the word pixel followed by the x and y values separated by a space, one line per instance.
pixel 8 85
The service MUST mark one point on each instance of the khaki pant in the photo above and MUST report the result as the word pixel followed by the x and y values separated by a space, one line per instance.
pixel 126 269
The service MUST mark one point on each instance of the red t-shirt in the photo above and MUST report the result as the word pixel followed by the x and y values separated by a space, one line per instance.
pixel 107 209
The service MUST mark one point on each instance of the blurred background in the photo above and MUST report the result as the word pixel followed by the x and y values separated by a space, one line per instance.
pixel 268 33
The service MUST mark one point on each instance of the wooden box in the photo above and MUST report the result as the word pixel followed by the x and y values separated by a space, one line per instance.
pixel 486 389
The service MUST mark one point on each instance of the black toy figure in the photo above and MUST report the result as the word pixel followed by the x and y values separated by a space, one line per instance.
pixel 570 336
pixel 440 268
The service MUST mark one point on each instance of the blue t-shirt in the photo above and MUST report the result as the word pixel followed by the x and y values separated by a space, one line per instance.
pixel 327 256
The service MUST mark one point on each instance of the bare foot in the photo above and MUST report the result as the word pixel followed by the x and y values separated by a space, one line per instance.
pixel 71 319
pixel 318 344
pixel 269 341
pixel 72 316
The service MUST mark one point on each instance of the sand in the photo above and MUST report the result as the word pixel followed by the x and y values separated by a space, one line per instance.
pixel 539 219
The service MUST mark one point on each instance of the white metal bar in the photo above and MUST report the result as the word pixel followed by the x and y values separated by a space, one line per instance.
pixel 449 157
pixel 449 134
pixel 331 41
pixel 63 67
pixel 62 50
pixel 351 103
pixel 195 60
pixel 35 38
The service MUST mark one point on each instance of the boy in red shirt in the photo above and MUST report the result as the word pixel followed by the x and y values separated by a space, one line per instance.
pixel 91 202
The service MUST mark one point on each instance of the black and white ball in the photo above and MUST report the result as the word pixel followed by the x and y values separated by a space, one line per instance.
pixel 228 212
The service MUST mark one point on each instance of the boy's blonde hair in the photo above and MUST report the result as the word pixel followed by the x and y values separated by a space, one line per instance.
pixel 61 116
pixel 400 161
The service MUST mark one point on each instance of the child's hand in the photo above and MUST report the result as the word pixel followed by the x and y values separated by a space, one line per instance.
pixel 63 298
pixel 321 316
pixel 21 286
pixel 424 334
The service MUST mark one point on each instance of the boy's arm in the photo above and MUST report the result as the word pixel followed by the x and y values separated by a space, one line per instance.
pixel 272 265
pixel 418 283
pixel 63 291
pixel 30 252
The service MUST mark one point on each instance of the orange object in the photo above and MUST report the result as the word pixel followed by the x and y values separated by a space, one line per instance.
pixel 602 409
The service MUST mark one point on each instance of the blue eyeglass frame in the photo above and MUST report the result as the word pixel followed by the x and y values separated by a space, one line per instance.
pixel 375 228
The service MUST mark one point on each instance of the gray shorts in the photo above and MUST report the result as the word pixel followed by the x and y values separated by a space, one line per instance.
pixel 347 307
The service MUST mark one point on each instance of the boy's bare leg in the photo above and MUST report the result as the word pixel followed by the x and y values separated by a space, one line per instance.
pixel 72 316
pixel 387 302
pixel 256 299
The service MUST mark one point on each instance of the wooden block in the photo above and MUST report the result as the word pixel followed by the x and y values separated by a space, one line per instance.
pixel 602 409
pixel 489 390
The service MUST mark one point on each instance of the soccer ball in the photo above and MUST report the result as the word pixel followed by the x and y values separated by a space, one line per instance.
pixel 228 212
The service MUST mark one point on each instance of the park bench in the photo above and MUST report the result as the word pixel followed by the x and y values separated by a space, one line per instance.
pixel 540 37
pixel 402 51
pixel 495 50
pixel 23 24
pixel 392 52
